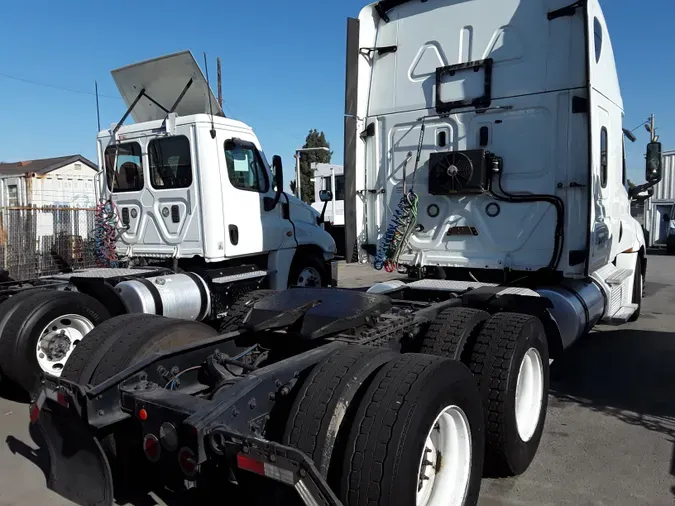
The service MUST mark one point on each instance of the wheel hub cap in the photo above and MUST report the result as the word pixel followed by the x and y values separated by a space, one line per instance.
pixel 309 277
pixel 445 465
pixel 529 394
pixel 58 340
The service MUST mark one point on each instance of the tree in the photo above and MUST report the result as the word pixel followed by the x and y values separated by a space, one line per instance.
pixel 631 185
pixel 315 139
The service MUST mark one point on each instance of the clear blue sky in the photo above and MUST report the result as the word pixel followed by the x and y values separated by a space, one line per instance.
pixel 283 66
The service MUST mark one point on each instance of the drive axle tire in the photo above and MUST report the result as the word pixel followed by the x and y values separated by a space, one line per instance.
pixel 321 405
pixel 453 333
pixel 510 362
pixel 417 437
pixel 124 340
pixel 40 331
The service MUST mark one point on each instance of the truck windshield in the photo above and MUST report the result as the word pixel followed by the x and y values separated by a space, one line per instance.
pixel 124 167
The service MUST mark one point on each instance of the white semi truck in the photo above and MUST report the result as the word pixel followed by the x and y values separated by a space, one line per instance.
pixel 194 206
pixel 484 156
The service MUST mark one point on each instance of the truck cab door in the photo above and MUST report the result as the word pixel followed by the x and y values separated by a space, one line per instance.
pixel 606 137
pixel 251 226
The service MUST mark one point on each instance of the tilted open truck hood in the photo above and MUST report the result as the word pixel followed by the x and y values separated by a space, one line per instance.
pixel 164 79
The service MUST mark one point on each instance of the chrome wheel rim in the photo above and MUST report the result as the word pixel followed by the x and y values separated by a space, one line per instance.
pixel 58 340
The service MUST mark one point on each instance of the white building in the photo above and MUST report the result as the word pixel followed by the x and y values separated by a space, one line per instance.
pixel 67 181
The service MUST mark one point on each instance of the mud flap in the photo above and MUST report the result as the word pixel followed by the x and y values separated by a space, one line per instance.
pixel 79 468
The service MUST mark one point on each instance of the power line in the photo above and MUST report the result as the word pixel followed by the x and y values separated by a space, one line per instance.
pixel 55 87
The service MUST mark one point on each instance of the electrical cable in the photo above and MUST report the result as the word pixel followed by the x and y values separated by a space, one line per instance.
pixel 106 234
pixel 403 221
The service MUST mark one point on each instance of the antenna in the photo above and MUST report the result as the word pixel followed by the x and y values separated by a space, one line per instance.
pixel 208 83
pixel 98 110
pixel 220 85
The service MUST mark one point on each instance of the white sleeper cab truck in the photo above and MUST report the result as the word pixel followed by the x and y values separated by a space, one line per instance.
pixel 484 156
pixel 195 208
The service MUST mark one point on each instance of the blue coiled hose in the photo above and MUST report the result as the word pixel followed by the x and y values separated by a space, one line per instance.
pixel 401 227
pixel 105 235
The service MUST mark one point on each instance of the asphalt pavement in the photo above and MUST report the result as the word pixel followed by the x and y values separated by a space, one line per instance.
pixel 609 436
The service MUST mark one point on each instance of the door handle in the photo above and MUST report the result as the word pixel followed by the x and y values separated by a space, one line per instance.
pixel 234 234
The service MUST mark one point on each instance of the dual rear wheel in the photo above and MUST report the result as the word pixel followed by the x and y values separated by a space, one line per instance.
pixel 409 432
pixel 508 356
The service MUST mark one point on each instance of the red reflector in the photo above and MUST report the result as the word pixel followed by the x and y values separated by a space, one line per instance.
pixel 151 448
pixel 34 412
pixel 62 399
pixel 142 414
pixel 248 464
pixel 187 462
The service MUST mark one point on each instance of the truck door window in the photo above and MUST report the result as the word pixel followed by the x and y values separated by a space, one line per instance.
pixel 124 167
pixel 245 167
pixel 170 163
pixel 603 157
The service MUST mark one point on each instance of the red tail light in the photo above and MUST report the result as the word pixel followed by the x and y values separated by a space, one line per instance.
pixel 152 448
pixel 187 462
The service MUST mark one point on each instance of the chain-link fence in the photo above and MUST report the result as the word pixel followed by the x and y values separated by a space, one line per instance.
pixel 40 241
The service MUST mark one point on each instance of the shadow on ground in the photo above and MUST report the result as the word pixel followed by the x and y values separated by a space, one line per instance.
pixel 627 374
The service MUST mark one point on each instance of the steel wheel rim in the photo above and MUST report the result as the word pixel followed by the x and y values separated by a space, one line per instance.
pixel 445 465
pixel 58 340
pixel 529 394
pixel 309 277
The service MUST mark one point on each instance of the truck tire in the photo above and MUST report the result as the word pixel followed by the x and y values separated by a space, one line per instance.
pixel 638 290
pixel 307 270
pixel 240 309
pixel 321 404
pixel 124 340
pixel 113 346
pixel 416 403
pixel 453 332
pixel 510 362
pixel 40 331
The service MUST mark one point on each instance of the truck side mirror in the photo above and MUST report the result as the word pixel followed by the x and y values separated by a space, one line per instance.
pixel 325 195
pixel 278 168
pixel 278 173
pixel 654 170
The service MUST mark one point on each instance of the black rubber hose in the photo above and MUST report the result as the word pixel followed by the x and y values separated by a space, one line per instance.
pixel 560 218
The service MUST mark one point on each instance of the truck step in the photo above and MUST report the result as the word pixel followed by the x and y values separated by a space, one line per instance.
pixel 618 277
pixel 622 315
pixel 239 277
